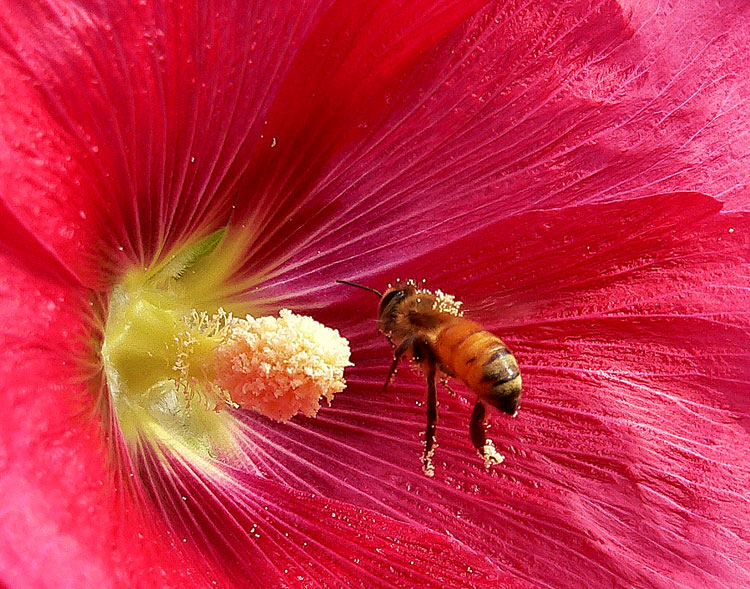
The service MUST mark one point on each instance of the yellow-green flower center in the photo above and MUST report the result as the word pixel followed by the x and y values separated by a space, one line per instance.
pixel 175 361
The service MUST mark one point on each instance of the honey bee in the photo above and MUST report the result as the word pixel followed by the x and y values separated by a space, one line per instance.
pixel 429 329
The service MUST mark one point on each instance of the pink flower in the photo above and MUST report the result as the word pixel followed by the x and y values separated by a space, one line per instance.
pixel 559 167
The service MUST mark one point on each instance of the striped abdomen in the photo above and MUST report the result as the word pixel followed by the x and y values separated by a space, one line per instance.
pixel 481 360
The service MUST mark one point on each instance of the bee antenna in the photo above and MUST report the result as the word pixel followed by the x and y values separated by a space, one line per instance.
pixel 377 292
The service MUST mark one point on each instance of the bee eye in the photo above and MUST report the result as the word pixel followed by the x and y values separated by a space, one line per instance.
pixel 395 295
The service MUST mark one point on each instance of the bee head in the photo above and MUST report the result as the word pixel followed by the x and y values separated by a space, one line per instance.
pixel 391 301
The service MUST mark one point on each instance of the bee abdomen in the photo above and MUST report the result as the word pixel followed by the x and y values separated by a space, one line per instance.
pixel 482 361
pixel 460 347
pixel 502 380
pixel 500 367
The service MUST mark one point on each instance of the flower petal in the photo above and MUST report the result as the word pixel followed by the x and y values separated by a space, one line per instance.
pixel 524 107
pixel 627 462
pixel 21 244
pixel 121 119
pixel 259 532
pixel 137 120
pixel 520 107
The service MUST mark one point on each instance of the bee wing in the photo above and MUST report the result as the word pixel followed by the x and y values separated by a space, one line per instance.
pixel 493 313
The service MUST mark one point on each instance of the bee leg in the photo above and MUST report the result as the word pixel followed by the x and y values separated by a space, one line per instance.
pixel 432 418
pixel 397 354
pixel 477 429
pixel 424 354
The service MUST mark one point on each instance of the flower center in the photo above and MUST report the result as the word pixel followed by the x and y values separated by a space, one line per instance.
pixel 175 361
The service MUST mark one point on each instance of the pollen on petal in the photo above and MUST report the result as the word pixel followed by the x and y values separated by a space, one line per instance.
pixel 281 366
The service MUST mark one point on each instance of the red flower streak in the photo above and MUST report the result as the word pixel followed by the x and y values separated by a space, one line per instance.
pixel 543 163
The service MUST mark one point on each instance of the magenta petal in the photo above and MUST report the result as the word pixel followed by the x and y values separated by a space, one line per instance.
pixel 338 87
pixel 21 244
pixel 259 532
pixel 517 107
pixel 121 119
pixel 524 107
pixel 627 461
